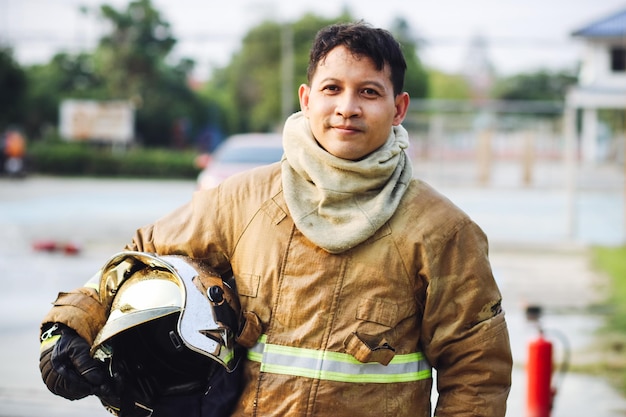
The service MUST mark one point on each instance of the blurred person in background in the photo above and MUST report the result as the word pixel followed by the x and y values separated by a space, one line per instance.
pixel 355 279
pixel 13 152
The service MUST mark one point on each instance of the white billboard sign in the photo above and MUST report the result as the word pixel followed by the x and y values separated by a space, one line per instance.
pixel 91 120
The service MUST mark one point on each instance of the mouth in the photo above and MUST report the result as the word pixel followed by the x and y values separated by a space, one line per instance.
pixel 347 128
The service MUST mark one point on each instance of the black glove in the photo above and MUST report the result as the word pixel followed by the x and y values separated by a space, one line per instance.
pixel 67 368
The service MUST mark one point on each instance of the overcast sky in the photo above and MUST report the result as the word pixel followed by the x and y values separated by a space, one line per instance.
pixel 521 35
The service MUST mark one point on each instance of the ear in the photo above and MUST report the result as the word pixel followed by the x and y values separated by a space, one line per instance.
pixel 402 107
pixel 303 94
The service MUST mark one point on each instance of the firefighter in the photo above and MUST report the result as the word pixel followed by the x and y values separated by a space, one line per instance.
pixel 358 278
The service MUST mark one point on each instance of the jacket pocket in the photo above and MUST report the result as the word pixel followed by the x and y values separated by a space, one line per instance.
pixel 378 311
pixel 367 348
pixel 248 285
pixel 375 337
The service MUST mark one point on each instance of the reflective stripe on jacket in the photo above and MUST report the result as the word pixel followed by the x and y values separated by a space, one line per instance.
pixel 342 333
pixel 335 366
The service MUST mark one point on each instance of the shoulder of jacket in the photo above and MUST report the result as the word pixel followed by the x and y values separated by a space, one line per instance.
pixel 263 181
pixel 425 213
pixel 422 196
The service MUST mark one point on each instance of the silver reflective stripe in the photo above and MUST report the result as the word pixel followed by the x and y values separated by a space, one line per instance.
pixel 334 366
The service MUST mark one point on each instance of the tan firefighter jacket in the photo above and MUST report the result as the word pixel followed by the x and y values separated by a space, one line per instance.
pixel 356 333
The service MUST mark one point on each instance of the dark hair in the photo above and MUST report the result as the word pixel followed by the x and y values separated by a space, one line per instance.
pixel 362 40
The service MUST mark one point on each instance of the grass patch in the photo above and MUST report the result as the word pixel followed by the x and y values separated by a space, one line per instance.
pixel 612 261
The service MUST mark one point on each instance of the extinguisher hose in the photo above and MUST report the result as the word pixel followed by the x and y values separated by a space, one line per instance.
pixel 565 362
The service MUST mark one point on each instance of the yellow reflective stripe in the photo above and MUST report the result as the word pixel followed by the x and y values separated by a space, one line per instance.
pixel 255 356
pixel 230 355
pixel 45 344
pixel 336 366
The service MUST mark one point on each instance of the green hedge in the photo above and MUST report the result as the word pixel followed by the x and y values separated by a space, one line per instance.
pixel 83 159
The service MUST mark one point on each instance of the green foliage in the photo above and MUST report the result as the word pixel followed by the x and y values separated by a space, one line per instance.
pixel 447 86
pixel 84 159
pixel 540 85
pixel 416 78
pixel 65 76
pixel 133 53
pixel 130 63
pixel 133 57
pixel 12 88
pixel 257 66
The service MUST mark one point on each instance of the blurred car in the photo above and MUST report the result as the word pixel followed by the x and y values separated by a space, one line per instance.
pixel 240 153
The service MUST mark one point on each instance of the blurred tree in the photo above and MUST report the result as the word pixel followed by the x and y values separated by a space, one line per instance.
pixel 129 63
pixel 416 79
pixel 134 58
pixel 65 76
pixel 446 86
pixel 133 54
pixel 540 85
pixel 13 88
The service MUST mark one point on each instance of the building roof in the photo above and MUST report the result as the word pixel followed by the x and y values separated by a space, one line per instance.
pixel 609 27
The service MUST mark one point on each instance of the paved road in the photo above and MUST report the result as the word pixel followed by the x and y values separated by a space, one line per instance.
pixel 101 215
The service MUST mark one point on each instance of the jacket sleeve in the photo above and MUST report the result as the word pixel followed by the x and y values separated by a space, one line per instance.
pixel 80 310
pixel 464 330
pixel 197 229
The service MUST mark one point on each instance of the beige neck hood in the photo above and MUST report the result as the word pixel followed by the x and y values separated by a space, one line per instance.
pixel 338 203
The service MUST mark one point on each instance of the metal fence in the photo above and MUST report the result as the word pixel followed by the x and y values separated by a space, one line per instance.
pixel 499 143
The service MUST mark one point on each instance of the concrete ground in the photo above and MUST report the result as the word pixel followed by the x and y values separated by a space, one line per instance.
pixel 563 282
pixel 550 269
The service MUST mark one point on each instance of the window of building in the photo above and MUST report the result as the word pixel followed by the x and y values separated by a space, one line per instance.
pixel 618 59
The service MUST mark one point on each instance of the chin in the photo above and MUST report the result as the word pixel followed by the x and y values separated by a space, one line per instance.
pixel 348 155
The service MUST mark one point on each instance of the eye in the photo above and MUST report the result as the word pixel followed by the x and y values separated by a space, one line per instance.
pixel 370 92
pixel 330 88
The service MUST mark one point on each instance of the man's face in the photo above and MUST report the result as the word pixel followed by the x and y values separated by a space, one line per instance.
pixel 351 105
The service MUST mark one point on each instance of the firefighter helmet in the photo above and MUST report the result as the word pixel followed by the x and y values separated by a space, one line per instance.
pixel 171 325
pixel 142 287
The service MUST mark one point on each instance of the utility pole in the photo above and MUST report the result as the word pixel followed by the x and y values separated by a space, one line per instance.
pixel 571 153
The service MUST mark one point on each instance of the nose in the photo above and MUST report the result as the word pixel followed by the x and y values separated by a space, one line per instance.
pixel 348 106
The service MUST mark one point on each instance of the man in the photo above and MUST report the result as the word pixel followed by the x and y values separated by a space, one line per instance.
pixel 357 278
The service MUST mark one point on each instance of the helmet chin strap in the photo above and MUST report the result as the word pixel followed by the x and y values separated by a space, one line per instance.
pixel 224 312
pixel 132 408
pixel 135 398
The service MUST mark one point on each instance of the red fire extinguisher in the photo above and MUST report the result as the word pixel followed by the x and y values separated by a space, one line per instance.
pixel 541 388
pixel 539 370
